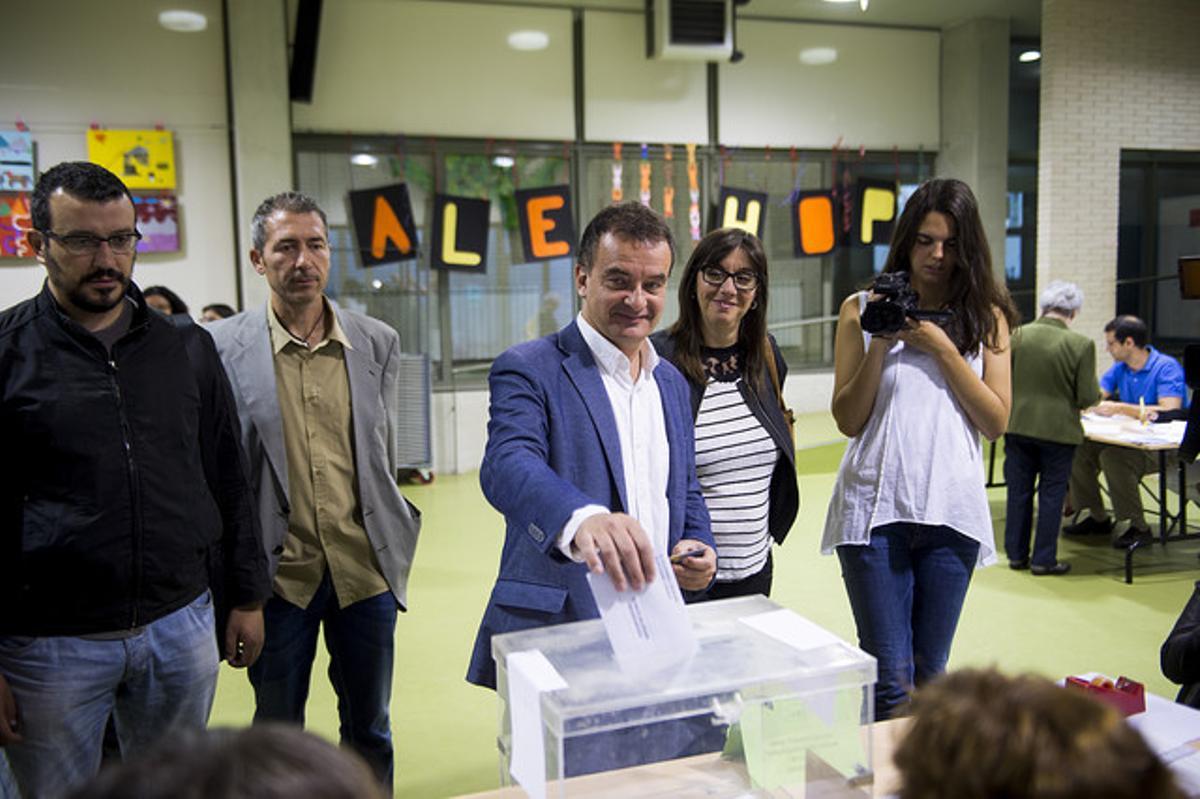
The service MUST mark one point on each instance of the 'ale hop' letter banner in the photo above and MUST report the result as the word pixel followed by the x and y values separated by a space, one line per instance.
pixel 460 233
pixel 547 227
pixel 383 224
pixel 742 209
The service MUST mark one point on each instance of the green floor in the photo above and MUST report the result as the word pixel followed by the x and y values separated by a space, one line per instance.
pixel 445 729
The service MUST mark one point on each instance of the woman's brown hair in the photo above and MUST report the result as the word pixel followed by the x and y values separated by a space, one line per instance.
pixel 687 332
pixel 975 296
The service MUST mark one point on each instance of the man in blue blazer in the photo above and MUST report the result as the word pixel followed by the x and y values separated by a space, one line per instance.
pixel 590 455
pixel 316 395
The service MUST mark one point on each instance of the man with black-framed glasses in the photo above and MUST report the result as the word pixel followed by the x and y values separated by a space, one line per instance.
pixel 124 495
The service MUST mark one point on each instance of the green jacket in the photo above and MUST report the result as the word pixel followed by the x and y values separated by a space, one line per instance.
pixel 1053 379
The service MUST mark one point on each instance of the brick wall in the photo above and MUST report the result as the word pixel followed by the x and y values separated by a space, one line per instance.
pixel 1115 74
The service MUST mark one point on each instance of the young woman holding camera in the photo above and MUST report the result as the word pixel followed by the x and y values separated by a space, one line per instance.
pixel 909 516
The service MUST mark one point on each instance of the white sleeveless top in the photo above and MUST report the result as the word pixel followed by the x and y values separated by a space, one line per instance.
pixel 917 459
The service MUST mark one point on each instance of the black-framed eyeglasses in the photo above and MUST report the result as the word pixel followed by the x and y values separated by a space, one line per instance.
pixel 87 244
pixel 745 280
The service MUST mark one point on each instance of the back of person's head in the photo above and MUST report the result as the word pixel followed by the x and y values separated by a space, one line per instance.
pixel 630 221
pixel 80 179
pixel 217 310
pixel 174 301
pixel 1128 326
pixel 265 761
pixel 292 202
pixel 978 734
pixel 1061 297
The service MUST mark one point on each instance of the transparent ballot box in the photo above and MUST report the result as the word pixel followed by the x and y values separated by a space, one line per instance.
pixel 770 705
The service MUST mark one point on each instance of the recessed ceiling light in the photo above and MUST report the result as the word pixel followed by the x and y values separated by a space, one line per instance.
pixel 818 56
pixel 1030 55
pixel 182 21
pixel 528 40
pixel 503 161
pixel 363 159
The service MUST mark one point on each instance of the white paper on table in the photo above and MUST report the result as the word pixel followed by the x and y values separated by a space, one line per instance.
pixel 648 629
pixel 530 674
pixel 791 628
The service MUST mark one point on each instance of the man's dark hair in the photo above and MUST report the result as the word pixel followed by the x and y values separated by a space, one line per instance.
pixel 1127 326
pixel 178 306
pixel 82 180
pixel 220 309
pixel 292 202
pixel 630 221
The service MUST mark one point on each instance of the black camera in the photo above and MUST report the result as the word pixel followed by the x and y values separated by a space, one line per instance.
pixel 897 303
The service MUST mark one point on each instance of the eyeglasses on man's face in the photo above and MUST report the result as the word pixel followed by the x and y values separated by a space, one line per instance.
pixel 86 244
pixel 745 280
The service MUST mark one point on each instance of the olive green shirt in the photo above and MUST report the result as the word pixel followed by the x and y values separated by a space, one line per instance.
pixel 325 526
pixel 1053 379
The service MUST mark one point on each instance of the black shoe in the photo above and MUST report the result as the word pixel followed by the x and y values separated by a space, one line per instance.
pixel 1089 526
pixel 1060 567
pixel 1018 565
pixel 1139 535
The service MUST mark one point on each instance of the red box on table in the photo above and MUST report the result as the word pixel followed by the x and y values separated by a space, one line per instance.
pixel 1127 696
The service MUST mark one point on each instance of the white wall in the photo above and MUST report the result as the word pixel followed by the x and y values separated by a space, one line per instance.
pixel 630 98
pixel 440 68
pixel 1115 74
pixel 882 91
pixel 74 62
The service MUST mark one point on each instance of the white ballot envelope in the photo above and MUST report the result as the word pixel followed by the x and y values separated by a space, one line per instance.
pixel 648 629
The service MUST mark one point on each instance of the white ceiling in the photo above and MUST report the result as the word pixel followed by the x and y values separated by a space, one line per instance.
pixel 1025 16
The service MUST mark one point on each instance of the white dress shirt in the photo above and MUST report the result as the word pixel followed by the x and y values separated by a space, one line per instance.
pixel 642 433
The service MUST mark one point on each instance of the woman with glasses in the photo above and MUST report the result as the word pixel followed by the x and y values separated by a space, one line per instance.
pixel 909 516
pixel 745 458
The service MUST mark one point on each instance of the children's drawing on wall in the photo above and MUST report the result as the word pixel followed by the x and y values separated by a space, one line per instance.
pixel 143 159
pixel 158 222
pixel 16 160
pixel 14 224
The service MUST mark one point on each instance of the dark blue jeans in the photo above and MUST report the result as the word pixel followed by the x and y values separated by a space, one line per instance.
pixel 360 639
pixel 906 590
pixel 1024 459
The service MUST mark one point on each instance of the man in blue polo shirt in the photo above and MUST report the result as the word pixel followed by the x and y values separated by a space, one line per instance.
pixel 1141 381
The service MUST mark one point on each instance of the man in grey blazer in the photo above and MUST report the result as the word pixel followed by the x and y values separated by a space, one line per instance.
pixel 316 392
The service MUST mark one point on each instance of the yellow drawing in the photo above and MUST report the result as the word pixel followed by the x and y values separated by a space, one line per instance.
pixel 143 159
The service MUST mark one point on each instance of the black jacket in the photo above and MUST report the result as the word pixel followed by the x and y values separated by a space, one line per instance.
pixel 760 398
pixel 1181 652
pixel 122 479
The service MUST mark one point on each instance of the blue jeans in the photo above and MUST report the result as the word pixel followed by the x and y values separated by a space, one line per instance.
pixel 1024 459
pixel 906 590
pixel 65 688
pixel 360 639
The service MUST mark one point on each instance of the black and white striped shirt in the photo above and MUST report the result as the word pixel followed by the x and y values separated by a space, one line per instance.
pixel 735 458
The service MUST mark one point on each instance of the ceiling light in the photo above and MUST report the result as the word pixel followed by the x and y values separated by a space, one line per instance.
pixel 182 21
pixel 841 1
pixel 818 56
pixel 363 159
pixel 1029 56
pixel 503 161
pixel 528 40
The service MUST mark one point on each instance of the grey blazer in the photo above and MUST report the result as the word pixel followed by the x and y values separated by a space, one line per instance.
pixel 392 523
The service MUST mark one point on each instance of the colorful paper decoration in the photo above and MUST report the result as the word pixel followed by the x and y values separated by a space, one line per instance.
pixel 743 209
pixel 383 224
pixel 617 192
pixel 158 222
pixel 460 233
pixel 15 222
pixel 547 224
pixel 644 170
pixel 16 160
pixel 668 201
pixel 875 211
pixel 813 223
pixel 143 159
pixel 693 192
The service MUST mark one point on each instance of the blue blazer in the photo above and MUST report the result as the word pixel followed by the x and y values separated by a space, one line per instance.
pixel 553 448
